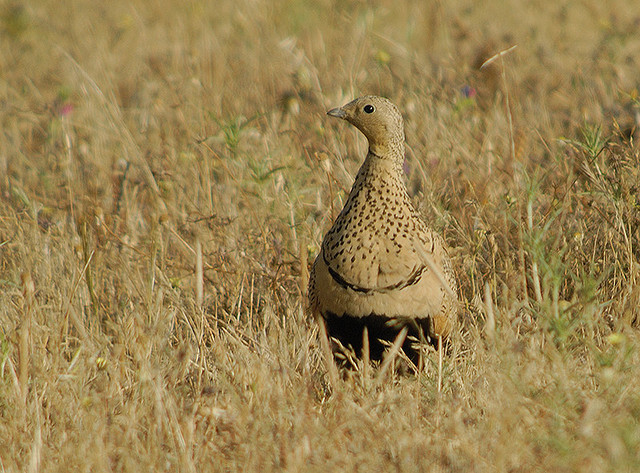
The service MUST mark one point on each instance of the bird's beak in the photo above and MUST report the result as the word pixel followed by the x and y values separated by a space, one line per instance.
pixel 337 112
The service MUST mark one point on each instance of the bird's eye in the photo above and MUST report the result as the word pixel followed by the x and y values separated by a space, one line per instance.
pixel 369 108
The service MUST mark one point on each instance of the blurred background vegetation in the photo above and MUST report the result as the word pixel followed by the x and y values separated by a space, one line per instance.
pixel 167 172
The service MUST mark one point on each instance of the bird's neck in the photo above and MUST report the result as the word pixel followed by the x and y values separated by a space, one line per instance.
pixel 381 170
pixel 387 161
pixel 391 148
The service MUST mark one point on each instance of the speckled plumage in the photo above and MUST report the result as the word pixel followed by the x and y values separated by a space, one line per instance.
pixel 379 263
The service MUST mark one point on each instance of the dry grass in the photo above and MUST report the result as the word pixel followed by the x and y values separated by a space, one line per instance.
pixel 167 173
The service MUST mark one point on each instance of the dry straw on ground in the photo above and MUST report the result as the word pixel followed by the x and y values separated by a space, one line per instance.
pixel 166 175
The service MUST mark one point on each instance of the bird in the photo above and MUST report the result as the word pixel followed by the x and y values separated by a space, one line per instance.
pixel 381 272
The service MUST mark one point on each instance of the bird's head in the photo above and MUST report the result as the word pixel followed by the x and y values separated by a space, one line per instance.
pixel 378 119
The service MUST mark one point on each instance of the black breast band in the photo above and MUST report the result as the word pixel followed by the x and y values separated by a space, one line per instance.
pixel 413 278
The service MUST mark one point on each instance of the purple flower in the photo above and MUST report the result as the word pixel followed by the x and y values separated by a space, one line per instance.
pixel 468 91
pixel 65 109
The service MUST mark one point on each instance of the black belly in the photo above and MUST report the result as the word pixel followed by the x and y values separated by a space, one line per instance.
pixel 348 330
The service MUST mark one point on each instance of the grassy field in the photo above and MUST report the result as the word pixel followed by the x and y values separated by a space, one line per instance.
pixel 167 172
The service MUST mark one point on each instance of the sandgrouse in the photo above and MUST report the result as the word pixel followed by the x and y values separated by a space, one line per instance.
pixel 380 266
